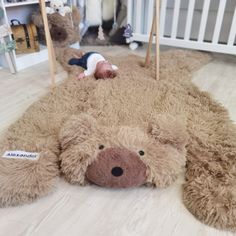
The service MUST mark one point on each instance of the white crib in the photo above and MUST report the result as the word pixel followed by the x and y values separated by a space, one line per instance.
pixel 197 24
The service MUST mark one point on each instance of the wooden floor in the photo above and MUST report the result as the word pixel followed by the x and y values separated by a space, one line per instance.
pixel 94 211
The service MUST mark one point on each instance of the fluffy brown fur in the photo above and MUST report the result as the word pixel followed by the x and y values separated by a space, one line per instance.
pixel 63 55
pixel 81 137
pixel 133 111
pixel 64 32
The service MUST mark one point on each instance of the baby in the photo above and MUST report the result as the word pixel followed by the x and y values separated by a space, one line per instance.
pixel 94 64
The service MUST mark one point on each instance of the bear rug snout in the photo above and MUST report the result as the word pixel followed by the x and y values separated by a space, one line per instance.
pixel 58 34
pixel 117 168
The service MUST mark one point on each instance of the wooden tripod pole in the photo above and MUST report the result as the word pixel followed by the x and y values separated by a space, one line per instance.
pixel 155 27
pixel 51 53
pixel 157 39
pixel 147 59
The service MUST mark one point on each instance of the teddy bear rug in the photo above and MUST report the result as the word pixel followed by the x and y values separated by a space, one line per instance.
pixel 127 132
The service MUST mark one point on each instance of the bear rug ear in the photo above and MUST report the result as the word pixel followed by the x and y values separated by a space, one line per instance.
pixel 77 129
pixel 169 129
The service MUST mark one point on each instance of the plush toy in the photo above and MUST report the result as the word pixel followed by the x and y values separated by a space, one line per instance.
pixel 105 10
pixel 57 6
pixel 64 31
pixel 127 132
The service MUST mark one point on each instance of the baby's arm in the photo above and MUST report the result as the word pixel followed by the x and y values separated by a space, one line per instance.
pixel 81 76
pixel 85 74
pixel 90 71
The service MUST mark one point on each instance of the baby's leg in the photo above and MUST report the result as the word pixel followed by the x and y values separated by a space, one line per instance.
pixel 75 61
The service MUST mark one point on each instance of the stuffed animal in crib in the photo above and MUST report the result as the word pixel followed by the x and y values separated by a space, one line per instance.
pixel 94 64
pixel 64 30
pixel 57 6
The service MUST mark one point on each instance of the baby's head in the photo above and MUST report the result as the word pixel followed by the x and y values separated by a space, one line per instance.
pixel 104 70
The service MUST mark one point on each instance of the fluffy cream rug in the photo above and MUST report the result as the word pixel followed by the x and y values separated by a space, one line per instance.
pixel 133 99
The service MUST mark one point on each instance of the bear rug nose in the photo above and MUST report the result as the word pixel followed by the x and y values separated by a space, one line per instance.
pixel 117 171
pixel 117 168
pixel 58 34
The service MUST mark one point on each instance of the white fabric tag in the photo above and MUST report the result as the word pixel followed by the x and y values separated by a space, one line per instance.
pixel 18 154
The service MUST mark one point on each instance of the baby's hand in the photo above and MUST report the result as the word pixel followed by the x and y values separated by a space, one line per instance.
pixel 81 76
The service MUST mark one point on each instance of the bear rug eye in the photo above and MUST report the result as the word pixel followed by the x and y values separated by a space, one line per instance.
pixel 141 153
pixel 101 147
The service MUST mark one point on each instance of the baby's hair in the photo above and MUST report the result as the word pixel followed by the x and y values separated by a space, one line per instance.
pixel 106 74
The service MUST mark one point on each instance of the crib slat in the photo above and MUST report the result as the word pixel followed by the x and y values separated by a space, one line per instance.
pixel 129 12
pixel 139 16
pixel 205 12
pixel 232 30
pixel 219 21
pixel 189 19
pixel 163 17
pixel 175 19
pixel 150 15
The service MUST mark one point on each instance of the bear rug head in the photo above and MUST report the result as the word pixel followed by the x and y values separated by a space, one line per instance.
pixel 127 132
pixel 122 156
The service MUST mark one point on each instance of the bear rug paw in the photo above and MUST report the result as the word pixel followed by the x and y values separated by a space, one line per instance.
pixel 212 201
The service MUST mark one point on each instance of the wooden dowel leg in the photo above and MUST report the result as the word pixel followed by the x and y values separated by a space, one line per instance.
pixel 51 54
pixel 157 40
pixel 147 59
